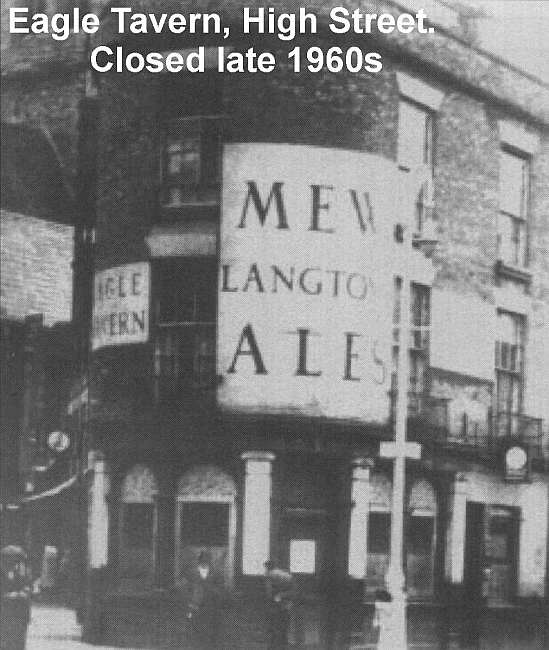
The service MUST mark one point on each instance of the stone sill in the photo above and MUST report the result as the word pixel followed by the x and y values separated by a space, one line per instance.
pixel 510 272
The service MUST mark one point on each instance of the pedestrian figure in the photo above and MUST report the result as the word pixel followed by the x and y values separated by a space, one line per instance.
pixel 382 620
pixel 205 604
pixel 16 588
pixel 279 585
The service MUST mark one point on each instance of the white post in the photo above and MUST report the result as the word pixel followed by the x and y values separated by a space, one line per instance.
pixel 396 580
pixel 358 533
pixel 457 534
pixel 395 574
pixel 98 524
pixel 256 538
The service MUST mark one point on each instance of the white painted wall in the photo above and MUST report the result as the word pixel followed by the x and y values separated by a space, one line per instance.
pixel 462 333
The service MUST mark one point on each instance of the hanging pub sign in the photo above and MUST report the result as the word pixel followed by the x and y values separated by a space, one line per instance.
pixel 121 305
pixel 306 281
pixel 516 463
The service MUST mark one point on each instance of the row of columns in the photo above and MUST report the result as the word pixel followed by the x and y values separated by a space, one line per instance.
pixel 256 537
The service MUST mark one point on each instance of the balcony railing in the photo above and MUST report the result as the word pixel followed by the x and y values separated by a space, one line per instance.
pixel 515 426
pixel 430 422
pixel 424 409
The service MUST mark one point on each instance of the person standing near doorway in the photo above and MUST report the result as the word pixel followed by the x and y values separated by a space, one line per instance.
pixel 279 587
pixel 205 604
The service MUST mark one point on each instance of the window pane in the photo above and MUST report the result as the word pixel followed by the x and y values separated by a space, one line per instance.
pixel 414 137
pixel 506 244
pixel 187 292
pixel 204 524
pixel 379 532
pixel 520 243
pixel 137 524
pixel 174 158
pixel 511 330
pixel 191 160
pixel 420 314
pixel 211 150
pixel 184 358
pixel 420 535
pixel 513 172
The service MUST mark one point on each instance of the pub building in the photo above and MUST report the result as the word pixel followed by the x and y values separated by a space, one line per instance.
pixel 248 260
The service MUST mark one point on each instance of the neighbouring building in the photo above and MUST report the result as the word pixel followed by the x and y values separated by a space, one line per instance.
pixel 245 239
pixel 42 101
pixel 36 310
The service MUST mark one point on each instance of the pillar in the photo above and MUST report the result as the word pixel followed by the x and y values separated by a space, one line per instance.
pixel 358 533
pixel 455 612
pixel 256 538
pixel 98 523
pixel 457 531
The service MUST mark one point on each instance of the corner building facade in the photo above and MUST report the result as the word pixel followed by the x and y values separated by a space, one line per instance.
pixel 248 263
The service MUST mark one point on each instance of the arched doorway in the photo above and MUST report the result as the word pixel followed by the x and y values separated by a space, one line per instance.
pixel 379 532
pixel 421 540
pixel 420 536
pixel 205 521
pixel 138 524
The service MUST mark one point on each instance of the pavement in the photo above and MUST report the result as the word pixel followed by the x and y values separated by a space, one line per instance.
pixel 56 628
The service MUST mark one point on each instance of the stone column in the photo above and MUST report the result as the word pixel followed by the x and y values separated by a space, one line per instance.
pixel 256 538
pixel 98 522
pixel 456 551
pixel 457 534
pixel 358 533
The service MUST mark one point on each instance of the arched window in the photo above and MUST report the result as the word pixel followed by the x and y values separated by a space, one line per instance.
pixel 379 531
pixel 205 521
pixel 420 536
pixel 138 524
pixel 421 539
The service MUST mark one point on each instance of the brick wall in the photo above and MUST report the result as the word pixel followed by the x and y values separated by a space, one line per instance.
pixel 359 112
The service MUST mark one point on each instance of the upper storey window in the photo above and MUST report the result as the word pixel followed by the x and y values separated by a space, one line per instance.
pixel 417 108
pixel 511 329
pixel 184 345
pixel 514 177
pixel 191 169
pixel 415 136
pixel 190 174
pixel 418 105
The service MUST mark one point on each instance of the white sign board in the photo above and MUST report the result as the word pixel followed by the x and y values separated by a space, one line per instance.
pixel 306 284
pixel 121 305
pixel 302 555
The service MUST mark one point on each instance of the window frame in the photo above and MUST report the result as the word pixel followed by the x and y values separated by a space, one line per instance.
pixel 418 343
pixel 519 222
pixel 515 376
pixel 128 551
pixel 192 379
pixel 428 134
pixel 378 556
pixel 202 189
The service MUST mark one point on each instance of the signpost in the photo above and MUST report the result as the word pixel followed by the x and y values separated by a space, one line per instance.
pixel 400 449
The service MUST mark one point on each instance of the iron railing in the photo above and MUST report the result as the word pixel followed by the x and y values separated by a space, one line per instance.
pixel 430 421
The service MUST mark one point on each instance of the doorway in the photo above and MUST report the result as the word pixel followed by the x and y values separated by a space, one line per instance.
pixel 205 522
pixel 303 551
pixel 491 554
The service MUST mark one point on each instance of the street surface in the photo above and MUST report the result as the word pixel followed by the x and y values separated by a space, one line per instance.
pixel 56 628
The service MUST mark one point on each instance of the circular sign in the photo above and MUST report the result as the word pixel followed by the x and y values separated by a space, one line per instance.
pixel 58 441
pixel 516 459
